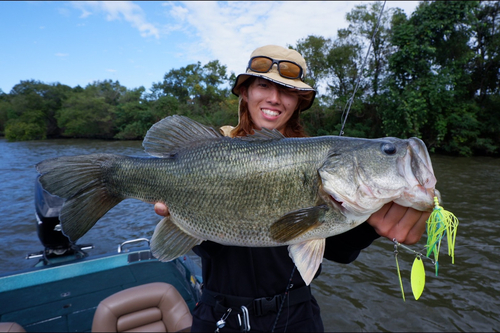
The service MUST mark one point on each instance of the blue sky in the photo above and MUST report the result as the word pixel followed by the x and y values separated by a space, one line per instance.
pixel 136 43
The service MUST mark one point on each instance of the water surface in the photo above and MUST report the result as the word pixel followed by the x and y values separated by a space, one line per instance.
pixel 362 296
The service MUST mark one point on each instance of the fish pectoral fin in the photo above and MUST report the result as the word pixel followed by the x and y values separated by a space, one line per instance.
pixel 170 242
pixel 296 223
pixel 307 256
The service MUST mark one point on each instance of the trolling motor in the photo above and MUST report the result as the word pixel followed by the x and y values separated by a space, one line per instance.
pixel 57 247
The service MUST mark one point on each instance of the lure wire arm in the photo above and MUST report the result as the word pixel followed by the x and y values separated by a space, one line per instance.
pixel 396 244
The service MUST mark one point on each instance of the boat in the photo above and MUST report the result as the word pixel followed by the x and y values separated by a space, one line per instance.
pixel 63 290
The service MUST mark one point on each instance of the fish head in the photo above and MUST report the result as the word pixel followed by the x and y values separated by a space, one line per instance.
pixel 362 175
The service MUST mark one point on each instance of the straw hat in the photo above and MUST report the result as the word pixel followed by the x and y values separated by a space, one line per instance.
pixel 278 53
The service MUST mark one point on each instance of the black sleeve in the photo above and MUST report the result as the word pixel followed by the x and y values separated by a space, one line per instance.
pixel 208 249
pixel 345 248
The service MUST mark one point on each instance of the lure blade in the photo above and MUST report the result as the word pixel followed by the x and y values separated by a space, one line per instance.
pixel 417 277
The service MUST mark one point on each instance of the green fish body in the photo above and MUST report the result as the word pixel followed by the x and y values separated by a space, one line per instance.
pixel 261 190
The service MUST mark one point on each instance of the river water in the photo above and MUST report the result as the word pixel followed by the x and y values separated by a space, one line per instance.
pixel 362 296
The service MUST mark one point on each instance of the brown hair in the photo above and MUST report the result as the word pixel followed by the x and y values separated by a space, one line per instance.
pixel 293 129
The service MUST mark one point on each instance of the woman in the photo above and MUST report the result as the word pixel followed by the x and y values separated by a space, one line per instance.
pixel 272 95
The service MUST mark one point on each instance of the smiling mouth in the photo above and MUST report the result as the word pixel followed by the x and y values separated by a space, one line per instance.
pixel 271 113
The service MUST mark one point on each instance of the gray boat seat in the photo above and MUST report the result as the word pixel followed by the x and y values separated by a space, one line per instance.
pixel 11 327
pixel 152 307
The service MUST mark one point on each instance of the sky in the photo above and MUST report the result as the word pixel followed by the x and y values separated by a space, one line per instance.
pixel 137 43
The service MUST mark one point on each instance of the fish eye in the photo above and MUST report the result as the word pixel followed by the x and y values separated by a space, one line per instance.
pixel 388 148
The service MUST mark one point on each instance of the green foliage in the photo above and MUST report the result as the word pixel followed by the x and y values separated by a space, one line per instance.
pixel 433 93
pixel 434 75
pixel 29 126
pixel 195 84
pixel 132 116
pixel 90 113
pixel 315 50
pixel 5 110
pixel 31 110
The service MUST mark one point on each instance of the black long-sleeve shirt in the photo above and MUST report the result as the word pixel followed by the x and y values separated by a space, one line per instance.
pixel 265 272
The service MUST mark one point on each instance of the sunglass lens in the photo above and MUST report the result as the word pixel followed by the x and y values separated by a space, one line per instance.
pixel 289 69
pixel 261 64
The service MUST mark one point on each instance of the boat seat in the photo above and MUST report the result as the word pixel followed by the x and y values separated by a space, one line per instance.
pixel 152 307
pixel 11 327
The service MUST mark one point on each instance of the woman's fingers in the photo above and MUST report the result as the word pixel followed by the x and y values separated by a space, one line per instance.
pixel 161 209
pixel 406 225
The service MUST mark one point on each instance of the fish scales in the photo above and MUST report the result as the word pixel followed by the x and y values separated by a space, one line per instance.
pixel 279 176
pixel 261 190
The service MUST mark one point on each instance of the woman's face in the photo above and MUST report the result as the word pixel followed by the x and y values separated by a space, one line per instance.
pixel 269 106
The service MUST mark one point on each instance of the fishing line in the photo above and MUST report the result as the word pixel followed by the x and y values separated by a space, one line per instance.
pixel 283 300
pixel 440 224
pixel 344 116
pixel 347 108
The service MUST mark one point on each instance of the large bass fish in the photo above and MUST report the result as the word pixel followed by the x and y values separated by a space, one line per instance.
pixel 260 190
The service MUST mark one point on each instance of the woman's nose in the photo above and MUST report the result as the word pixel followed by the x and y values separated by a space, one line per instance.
pixel 274 95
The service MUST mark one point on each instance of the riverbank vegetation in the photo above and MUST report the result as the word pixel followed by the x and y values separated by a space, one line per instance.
pixel 434 75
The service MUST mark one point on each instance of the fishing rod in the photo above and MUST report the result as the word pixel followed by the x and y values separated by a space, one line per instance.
pixel 440 223
pixel 347 108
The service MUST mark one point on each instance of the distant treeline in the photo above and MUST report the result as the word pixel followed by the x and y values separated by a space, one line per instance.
pixel 434 75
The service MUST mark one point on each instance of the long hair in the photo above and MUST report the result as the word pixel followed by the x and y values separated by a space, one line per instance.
pixel 293 128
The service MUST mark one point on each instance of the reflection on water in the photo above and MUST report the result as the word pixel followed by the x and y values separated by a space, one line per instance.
pixel 362 296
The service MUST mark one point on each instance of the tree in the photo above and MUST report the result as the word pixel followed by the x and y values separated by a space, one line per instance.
pixel 91 113
pixel 486 69
pixel 314 49
pixel 428 94
pixel 32 110
pixel 5 109
pixel 485 73
pixel 202 93
pixel 339 66
pixel 369 25
pixel 133 116
pixel 195 84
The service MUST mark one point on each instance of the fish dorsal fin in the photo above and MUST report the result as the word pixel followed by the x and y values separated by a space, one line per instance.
pixel 264 134
pixel 172 133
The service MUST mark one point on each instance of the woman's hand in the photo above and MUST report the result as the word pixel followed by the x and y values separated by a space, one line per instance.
pixel 161 209
pixel 406 225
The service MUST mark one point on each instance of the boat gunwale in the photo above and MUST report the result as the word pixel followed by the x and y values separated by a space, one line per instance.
pixel 66 270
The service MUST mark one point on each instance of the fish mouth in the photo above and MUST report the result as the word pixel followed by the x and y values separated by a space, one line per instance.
pixel 416 168
pixel 336 203
pixel 413 185
pixel 421 165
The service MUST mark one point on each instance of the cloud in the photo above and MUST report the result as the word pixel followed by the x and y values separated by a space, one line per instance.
pixel 118 10
pixel 230 31
pixel 64 11
pixel 111 70
pixel 59 54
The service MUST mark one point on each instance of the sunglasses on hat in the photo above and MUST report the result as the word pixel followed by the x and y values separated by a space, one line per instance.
pixel 286 68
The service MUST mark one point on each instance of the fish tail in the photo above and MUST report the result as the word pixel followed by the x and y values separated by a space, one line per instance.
pixel 81 181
